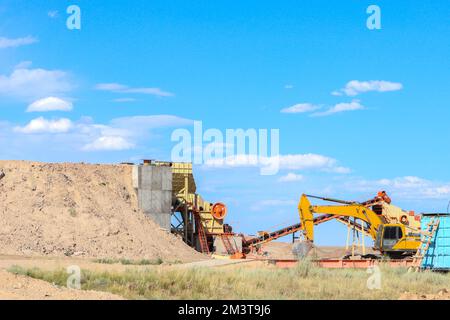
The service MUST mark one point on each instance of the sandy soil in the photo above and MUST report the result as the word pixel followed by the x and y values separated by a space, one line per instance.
pixel 21 287
pixel 443 294
pixel 79 210
pixel 62 263
pixel 16 287
pixel 283 250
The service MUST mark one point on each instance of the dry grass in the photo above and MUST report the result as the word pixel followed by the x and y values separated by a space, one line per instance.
pixel 142 262
pixel 304 282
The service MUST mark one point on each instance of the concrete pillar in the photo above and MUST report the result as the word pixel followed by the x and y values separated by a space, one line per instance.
pixel 153 185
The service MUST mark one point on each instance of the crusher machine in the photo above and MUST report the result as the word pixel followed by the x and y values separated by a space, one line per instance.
pixel 198 222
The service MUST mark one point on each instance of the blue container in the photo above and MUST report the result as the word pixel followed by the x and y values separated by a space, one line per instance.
pixel 438 255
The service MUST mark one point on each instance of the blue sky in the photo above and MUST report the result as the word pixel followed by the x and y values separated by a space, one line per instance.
pixel 138 70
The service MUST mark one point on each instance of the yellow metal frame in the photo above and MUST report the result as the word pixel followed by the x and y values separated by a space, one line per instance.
pixel 306 211
pixel 185 188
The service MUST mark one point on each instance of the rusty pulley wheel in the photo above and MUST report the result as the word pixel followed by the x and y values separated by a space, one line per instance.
pixel 219 211
pixel 404 219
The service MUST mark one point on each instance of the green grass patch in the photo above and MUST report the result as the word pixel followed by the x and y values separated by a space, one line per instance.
pixel 73 212
pixel 303 282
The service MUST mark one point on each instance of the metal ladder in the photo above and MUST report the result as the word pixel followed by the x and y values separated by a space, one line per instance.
pixel 228 246
pixel 430 232
pixel 201 233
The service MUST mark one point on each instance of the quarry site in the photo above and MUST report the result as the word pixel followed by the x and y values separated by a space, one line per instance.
pixel 145 223
pixel 224 159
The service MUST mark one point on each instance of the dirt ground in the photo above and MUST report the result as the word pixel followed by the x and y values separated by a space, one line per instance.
pixel 443 294
pixel 283 250
pixel 58 215
pixel 20 287
pixel 17 287
pixel 79 210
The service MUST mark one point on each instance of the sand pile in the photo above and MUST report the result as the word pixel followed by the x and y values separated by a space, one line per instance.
pixel 79 210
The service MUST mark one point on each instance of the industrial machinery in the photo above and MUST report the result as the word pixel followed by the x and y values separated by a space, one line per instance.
pixel 255 243
pixel 200 223
pixel 396 233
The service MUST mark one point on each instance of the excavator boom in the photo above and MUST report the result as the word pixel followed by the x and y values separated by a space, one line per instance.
pixel 351 210
pixel 306 217
pixel 393 239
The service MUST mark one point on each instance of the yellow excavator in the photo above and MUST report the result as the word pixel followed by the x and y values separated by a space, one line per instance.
pixel 396 233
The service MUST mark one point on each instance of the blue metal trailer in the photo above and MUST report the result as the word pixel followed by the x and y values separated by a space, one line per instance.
pixel 437 256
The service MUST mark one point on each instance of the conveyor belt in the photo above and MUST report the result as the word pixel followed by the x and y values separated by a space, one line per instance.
pixel 272 236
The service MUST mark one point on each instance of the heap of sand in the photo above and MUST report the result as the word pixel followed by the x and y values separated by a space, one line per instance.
pixel 84 210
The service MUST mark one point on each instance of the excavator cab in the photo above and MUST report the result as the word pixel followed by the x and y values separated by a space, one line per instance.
pixel 388 236
pixel 391 236
pixel 393 240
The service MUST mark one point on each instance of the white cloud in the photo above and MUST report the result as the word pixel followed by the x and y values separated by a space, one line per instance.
pixel 42 125
pixel 338 169
pixel 125 133
pixel 355 87
pixel 110 87
pixel 85 134
pixel 340 107
pixel 109 143
pixel 120 88
pixel 24 65
pixel 301 108
pixel 284 162
pixel 139 123
pixel 289 86
pixel 262 204
pixel 53 13
pixel 291 177
pixel 121 100
pixel 404 182
pixel 28 83
pixel 408 187
pixel 50 104
pixel 305 161
pixel 18 42
pixel 236 161
pixel 310 161
pixel 151 91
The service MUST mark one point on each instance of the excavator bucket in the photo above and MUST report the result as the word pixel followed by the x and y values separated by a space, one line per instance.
pixel 306 217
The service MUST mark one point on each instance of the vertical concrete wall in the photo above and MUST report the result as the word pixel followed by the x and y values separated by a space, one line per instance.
pixel 154 190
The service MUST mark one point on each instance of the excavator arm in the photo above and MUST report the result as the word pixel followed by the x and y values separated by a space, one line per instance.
pixel 352 210
pixel 306 217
